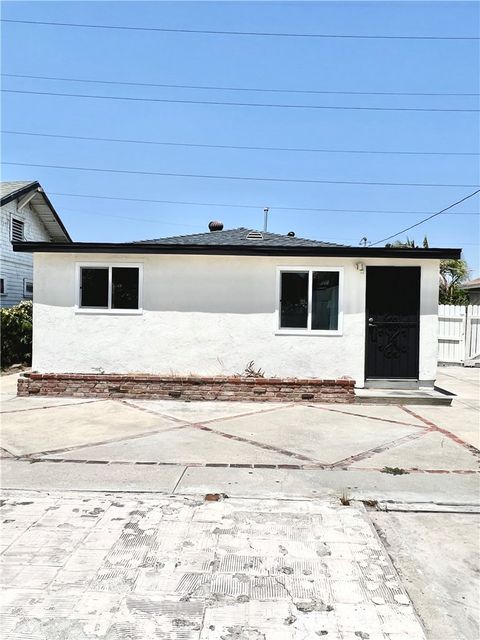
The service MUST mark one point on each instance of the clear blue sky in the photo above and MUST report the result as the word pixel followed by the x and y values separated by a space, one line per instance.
pixel 425 66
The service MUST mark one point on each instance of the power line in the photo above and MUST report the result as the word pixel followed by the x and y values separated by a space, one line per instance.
pixel 156 221
pixel 112 215
pixel 249 89
pixel 234 104
pixel 245 206
pixel 242 147
pixel 247 178
pixel 196 226
pixel 269 34
pixel 425 219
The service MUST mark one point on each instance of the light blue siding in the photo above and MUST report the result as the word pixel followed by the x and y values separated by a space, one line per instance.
pixel 18 267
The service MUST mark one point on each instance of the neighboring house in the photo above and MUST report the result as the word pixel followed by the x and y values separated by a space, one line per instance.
pixel 26 215
pixel 473 289
pixel 192 308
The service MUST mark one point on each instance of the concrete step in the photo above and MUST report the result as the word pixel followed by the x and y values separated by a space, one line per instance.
pixel 435 396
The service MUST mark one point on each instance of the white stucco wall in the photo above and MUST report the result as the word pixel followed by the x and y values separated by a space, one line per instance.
pixel 208 315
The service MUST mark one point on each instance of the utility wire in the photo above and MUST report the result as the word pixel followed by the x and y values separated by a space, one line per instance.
pixel 197 226
pixel 246 206
pixel 157 221
pixel 247 178
pixel 231 146
pixel 425 219
pixel 112 215
pixel 269 34
pixel 235 104
pixel 249 89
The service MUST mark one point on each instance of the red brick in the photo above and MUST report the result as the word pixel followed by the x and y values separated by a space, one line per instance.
pixel 187 388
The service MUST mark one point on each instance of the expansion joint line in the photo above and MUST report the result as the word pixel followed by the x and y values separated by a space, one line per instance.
pixel 380 449
pixel 434 427
pixel 255 443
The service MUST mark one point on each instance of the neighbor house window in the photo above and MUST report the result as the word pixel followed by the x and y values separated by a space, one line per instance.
pixel 27 288
pixel 109 287
pixel 310 300
pixel 2 286
pixel 18 228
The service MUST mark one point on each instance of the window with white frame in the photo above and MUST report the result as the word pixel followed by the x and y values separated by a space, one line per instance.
pixel 3 289
pixel 27 288
pixel 109 287
pixel 310 300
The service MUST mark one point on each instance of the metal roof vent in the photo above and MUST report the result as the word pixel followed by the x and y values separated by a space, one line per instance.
pixel 291 234
pixel 254 235
pixel 215 225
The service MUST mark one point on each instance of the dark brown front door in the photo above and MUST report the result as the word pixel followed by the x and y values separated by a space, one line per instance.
pixel 393 315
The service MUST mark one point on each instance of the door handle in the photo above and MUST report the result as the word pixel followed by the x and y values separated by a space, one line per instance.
pixel 371 322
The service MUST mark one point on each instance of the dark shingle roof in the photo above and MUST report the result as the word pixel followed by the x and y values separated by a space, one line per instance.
pixel 8 188
pixel 240 238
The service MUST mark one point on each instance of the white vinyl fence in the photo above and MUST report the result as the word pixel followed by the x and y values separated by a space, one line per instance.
pixel 459 333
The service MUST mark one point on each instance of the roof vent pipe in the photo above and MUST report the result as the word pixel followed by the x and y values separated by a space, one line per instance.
pixel 215 225
pixel 265 218
pixel 291 234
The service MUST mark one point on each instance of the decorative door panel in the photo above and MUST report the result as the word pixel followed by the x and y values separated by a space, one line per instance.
pixel 393 317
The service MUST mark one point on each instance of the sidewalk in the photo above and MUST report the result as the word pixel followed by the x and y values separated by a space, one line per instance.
pixel 118 567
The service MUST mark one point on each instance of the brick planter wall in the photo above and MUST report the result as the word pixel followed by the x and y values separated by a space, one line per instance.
pixel 151 387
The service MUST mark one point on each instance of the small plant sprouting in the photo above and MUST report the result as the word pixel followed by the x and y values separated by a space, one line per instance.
pixel 344 499
pixel 394 471
pixel 251 372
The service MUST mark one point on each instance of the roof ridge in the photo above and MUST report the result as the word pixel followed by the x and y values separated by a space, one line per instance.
pixel 239 236
pixel 200 233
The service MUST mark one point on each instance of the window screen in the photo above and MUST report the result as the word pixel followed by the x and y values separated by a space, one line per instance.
pixel 325 300
pixel 94 287
pixel 294 300
pixel 124 287
pixel 27 289
pixel 17 230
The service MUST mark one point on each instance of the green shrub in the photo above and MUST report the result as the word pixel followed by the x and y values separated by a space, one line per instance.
pixel 16 328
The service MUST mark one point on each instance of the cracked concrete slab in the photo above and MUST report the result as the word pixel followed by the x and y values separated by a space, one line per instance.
pixel 458 419
pixel 462 418
pixel 356 483
pixel 287 577
pixel 74 425
pixel 323 435
pixel 445 592
pixel 201 411
pixel 18 405
pixel 432 451
pixel 43 475
pixel 183 445
pixel 377 412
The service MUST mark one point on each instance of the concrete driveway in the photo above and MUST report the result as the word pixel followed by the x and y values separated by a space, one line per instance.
pixel 93 564
pixel 189 446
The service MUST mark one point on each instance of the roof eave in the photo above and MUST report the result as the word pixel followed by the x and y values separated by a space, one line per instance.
pixel 35 185
pixel 56 216
pixel 133 248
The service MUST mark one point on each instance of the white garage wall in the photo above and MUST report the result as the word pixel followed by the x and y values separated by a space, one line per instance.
pixel 208 315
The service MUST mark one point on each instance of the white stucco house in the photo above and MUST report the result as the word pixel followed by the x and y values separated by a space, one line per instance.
pixel 26 215
pixel 183 316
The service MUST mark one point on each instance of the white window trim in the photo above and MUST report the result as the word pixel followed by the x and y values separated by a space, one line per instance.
pixel 26 295
pixel 104 310
pixel 307 331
